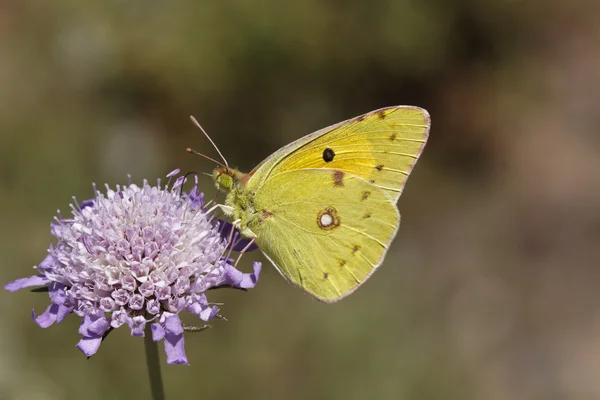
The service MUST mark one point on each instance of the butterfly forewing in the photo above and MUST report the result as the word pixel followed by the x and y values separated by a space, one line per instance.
pixel 381 146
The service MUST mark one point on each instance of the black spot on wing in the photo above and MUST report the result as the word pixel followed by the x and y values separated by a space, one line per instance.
pixel 328 155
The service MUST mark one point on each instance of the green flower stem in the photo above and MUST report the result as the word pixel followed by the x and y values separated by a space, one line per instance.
pixel 153 364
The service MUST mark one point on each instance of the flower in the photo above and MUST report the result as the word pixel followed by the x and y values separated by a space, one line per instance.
pixel 134 256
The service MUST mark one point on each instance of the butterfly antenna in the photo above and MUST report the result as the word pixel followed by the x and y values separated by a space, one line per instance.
pixel 192 151
pixel 210 140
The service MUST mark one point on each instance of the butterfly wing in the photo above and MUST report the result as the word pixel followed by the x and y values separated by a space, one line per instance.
pixel 324 230
pixel 381 146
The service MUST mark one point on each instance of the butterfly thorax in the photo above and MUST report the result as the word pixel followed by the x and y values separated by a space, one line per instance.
pixel 239 200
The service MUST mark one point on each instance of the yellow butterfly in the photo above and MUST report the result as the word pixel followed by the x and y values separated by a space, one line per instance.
pixel 323 208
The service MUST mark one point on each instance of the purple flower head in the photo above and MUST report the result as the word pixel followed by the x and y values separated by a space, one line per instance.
pixel 136 256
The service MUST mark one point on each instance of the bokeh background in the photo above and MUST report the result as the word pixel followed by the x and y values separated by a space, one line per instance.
pixel 490 290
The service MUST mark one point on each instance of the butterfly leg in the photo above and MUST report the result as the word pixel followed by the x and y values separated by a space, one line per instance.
pixel 227 210
pixel 243 251
pixel 230 240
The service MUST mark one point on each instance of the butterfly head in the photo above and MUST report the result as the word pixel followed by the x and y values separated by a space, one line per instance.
pixel 226 178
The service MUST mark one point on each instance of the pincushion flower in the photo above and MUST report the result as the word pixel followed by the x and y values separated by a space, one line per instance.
pixel 136 256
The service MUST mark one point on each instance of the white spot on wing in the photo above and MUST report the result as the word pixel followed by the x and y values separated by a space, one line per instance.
pixel 326 220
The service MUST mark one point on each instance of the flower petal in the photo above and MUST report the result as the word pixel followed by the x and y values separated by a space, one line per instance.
pixel 48 317
pixel 250 280
pixel 137 325
pixel 196 198
pixel 94 325
pixel 89 346
pixel 209 313
pixel 238 279
pixel 173 325
pixel 86 204
pixel 158 332
pixel 119 318
pixel 174 347
pixel 47 263
pixel 199 306
pixel 173 173
pixel 35 280
pixel 62 313
pixel 57 293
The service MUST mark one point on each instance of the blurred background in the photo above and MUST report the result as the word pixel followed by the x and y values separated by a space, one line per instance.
pixel 490 290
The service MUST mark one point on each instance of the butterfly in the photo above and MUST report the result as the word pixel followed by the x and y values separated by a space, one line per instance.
pixel 323 208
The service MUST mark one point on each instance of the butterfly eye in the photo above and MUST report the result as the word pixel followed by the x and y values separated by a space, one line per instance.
pixel 224 182
pixel 328 155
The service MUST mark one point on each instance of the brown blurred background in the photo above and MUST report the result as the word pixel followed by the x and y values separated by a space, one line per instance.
pixel 490 290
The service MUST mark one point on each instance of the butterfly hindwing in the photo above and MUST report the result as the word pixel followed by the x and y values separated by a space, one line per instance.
pixel 326 231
